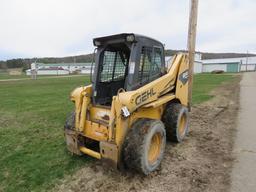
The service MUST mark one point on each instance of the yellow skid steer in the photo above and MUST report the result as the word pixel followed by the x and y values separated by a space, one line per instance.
pixel 134 104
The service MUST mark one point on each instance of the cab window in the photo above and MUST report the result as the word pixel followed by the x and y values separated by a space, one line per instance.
pixel 113 67
pixel 150 63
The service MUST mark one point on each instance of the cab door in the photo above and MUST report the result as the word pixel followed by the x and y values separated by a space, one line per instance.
pixel 150 65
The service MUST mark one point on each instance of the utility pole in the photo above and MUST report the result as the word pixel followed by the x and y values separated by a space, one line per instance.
pixel 191 43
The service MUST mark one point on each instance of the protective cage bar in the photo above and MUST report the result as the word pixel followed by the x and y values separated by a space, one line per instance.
pixel 114 65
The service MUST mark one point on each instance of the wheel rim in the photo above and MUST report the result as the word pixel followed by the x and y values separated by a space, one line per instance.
pixel 154 148
pixel 182 125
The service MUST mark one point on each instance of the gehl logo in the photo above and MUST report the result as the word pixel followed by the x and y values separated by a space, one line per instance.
pixel 144 96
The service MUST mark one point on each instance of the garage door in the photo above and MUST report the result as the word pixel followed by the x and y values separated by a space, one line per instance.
pixel 232 67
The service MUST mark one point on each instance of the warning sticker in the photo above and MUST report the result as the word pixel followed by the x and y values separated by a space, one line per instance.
pixel 132 68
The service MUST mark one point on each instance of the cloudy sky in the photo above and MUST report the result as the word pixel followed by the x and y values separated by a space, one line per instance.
pixel 37 28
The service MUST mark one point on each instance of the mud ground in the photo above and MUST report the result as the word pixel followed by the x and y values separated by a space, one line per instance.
pixel 203 162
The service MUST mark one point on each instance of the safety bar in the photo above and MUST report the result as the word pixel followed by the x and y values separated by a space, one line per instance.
pixel 90 152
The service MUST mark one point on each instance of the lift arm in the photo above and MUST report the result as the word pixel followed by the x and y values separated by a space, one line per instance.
pixel 167 84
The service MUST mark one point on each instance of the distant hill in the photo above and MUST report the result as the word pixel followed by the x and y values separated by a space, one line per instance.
pixel 25 63
pixel 70 59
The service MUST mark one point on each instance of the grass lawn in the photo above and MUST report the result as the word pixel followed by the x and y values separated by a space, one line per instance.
pixel 32 148
pixel 204 83
pixel 32 113
pixel 7 76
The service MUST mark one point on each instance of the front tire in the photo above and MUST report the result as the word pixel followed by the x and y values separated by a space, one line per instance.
pixel 144 146
pixel 175 119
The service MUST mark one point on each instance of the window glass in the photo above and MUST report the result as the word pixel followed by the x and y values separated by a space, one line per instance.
pixel 157 62
pixel 150 64
pixel 145 63
pixel 113 66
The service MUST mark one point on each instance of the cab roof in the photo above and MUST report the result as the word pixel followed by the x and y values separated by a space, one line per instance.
pixel 122 37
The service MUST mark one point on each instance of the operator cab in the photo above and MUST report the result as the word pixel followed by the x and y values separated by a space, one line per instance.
pixel 125 62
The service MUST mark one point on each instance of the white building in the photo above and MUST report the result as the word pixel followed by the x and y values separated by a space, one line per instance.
pixel 200 66
pixel 49 71
pixel 61 68
pixel 230 64
pixel 197 64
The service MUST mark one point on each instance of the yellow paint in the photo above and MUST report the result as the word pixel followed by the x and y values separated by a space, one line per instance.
pixel 86 101
pixel 162 100
pixel 98 113
pixel 154 148
pixel 90 152
pixel 181 89
pixel 182 125
pixel 95 131
pixel 77 97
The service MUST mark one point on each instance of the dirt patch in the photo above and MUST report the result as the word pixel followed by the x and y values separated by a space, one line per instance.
pixel 202 163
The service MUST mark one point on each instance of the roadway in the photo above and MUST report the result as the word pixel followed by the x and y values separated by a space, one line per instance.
pixel 244 170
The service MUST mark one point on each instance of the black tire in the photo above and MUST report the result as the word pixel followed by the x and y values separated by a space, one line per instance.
pixel 70 124
pixel 70 121
pixel 137 150
pixel 175 119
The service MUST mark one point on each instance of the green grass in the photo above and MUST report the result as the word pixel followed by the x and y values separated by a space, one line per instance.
pixel 33 154
pixel 204 83
pixel 32 148
pixel 7 76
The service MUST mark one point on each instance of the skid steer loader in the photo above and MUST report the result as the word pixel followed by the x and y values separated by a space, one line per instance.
pixel 134 104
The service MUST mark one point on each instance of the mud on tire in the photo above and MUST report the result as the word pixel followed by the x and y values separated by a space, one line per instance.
pixel 70 121
pixel 175 119
pixel 138 153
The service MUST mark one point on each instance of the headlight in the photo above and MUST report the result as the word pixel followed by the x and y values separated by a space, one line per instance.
pixel 130 38
pixel 97 43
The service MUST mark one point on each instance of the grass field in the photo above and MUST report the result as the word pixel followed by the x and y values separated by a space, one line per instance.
pixel 204 83
pixel 7 76
pixel 32 113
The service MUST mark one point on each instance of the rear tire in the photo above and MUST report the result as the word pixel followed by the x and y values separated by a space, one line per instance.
pixel 70 121
pixel 175 119
pixel 70 125
pixel 144 146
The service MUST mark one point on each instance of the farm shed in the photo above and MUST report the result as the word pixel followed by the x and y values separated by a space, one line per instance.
pixel 50 71
pixel 230 65
pixel 60 68
pixel 71 67
pixel 226 67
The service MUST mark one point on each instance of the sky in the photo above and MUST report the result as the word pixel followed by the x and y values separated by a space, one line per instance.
pixel 45 28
